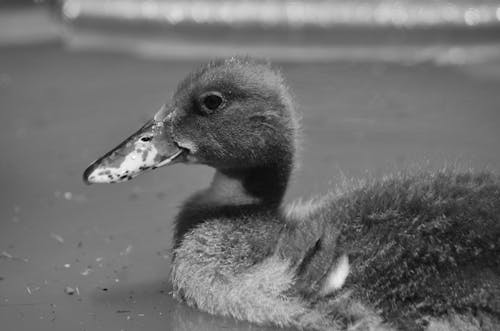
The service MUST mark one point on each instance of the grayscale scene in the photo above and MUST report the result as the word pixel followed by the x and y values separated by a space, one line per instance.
pixel 276 165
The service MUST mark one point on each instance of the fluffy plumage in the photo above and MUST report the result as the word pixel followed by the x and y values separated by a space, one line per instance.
pixel 423 248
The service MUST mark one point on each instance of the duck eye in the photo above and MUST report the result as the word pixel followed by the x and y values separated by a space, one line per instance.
pixel 212 101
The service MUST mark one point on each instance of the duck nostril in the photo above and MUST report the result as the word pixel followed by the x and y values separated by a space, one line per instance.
pixel 146 138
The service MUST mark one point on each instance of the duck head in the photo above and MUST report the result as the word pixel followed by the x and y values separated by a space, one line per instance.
pixel 234 115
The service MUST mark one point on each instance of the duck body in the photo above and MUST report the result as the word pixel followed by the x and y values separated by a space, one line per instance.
pixel 423 250
pixel 410 252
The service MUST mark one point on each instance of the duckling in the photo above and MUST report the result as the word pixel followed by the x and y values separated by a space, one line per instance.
pixel 411 252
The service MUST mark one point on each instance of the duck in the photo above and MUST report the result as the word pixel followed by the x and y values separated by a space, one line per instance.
pixel 411 251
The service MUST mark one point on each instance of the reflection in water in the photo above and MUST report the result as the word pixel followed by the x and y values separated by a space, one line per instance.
pixel 291 13
pixel 184 318
pixel 150 306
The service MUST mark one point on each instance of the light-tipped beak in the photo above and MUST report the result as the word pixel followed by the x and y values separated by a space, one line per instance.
pixel 149 148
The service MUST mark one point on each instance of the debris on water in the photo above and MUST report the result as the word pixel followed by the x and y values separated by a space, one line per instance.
pixel 58 238
pixel 77 290
pixel 141 315
pixel 117 280
pixel 99 261
pixel 86 272
pixel 7 255
pixel 70 196
pixel 30 289
pixel 126 251
pixel 67 265
pixel 69 290
pixel 128 317
pixel 105 289
pixel 122 311
pixel 79 245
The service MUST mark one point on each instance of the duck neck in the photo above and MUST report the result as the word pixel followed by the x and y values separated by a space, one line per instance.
pixel 234 192
pixel 262 185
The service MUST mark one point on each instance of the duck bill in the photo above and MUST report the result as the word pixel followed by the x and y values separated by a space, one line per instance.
pixel 149 148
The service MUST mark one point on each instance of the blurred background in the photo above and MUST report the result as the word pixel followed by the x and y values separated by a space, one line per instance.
pixel 382 85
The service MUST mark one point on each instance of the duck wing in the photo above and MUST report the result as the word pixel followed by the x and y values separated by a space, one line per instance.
pixel 419 245
pixel 425 244
pixel 308 241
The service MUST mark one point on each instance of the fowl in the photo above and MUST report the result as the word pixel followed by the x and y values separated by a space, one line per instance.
pixel 414 251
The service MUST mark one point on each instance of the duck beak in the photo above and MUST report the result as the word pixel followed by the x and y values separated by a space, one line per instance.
pixel 149 148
